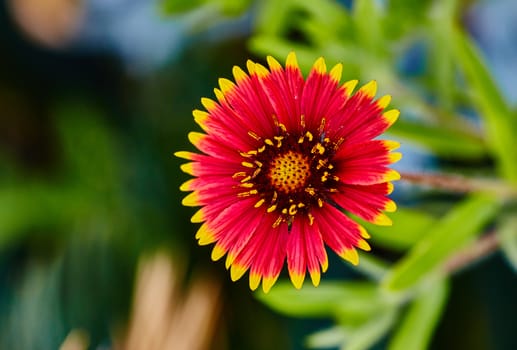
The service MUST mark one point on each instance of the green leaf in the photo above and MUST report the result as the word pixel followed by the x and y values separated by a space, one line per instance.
pixel 499 121
pixel 233 7
pixel 447 143
pixel 442 19
pixel 327 338
pixel 24 208
pixel 409 226
pixel 507 231
pixel 372 267
pixel 89 146
pixel 367 19
pixel 180 6
pixel 459 225
pixel 345 299
pixel 355 338
pixel 371 332
pixel 420 320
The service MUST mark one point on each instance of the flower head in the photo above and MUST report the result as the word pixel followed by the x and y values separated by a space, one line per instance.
pixel 284 161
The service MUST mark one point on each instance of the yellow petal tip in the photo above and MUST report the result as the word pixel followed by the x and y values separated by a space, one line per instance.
pixel 226 85
pixel 315 277
pixel 195 138
pixel 197 217
pixel 273 63
pixel 369 89
pixel 391 116
pixel 391 175
pixel 384 101
pixel 267 283
pixel 362 244
pixel 291 60
pixel 204 236
pixel 351 256
pixel 188 168
pixel 254 280
pixel 320 66
pixel 391 145
pixel 239 74
pixel 390 206
pixel 230 258
pixel 187 185
pixel 382 220
pixel 209 104
pixel 335 72
pixel 200 117
pixel 237 271
pixel 218 252
pixel 297 279
pixel 261 71
pixel 349 87
pixel 183 154
pixel 394 157
pixel 363 232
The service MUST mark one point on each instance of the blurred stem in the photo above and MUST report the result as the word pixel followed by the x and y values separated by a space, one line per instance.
pixel 461 184
pixel 483 247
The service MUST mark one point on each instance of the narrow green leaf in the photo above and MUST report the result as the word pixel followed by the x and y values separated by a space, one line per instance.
pixel 461 224
pixel 327 338
pixel 367 19
pixel 441 18
pixel 444 142
pixel 499 121
pixel 371 266
pixel 371 332
pixel 328 299
pixel 507 231
pixel 420 320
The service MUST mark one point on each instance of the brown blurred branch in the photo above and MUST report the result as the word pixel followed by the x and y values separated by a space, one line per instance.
pixel 460 184
pixel 478 250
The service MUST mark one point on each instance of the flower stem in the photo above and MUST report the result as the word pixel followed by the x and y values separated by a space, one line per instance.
pixel 480 249
pixel 460 184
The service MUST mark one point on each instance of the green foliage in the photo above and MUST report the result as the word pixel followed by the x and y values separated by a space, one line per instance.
pixel 507 230
pixel 421 318
pixel 350 301
pixel 459 226
pixel 499 119
pixel 227 7
pixel 409 226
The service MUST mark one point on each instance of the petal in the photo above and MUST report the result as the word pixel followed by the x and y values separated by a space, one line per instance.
pixel 367 202
pixel 316 254
pixel 264 254
pixel 366 162
pixel 339 232
pixel 283 89
pixel 296 258
pixel 321 92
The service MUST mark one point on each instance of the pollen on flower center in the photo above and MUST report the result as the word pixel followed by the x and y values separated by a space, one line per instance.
pixel 289 171
pixel 289 174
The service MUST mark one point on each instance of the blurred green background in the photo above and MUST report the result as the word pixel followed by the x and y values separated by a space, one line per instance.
pixel 95 96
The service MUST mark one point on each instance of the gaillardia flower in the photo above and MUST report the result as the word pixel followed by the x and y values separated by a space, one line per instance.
pixel 284 161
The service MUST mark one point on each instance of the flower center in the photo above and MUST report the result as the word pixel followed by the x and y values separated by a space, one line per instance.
pixel 290 173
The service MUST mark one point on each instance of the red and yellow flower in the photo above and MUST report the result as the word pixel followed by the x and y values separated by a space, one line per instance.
pixel 283 162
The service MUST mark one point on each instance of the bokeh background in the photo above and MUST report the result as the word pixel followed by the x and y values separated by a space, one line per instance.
pixel 96 250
